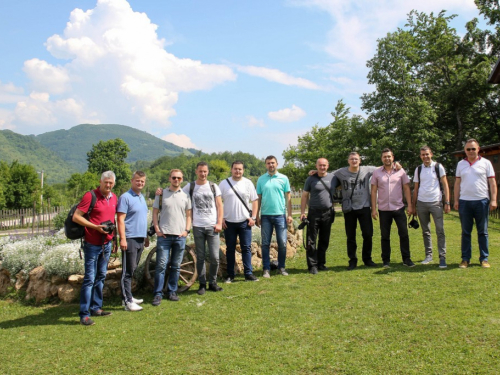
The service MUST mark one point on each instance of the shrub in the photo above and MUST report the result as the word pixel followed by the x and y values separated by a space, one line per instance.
pixel 58 221
pixel 23 255
pixel 63 260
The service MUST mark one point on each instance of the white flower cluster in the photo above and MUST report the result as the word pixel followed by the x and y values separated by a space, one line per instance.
pixel 63 260
pixel 23 255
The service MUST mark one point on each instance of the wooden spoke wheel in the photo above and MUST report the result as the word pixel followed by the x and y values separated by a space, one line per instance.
pixel 187 275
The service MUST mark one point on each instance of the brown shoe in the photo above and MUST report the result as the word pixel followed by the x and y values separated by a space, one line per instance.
pixel 485 264
pixel 464 264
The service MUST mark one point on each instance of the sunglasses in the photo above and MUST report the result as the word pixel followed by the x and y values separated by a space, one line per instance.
pixel 176 178
pixel 471 149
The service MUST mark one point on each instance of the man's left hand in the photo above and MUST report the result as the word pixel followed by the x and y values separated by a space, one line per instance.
pixel 218 228
pixel 493 205
pixel 289 220
pixel 159 191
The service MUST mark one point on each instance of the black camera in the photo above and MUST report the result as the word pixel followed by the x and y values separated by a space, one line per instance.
pixel 304 223
pixel 151 231
pixel 413 223
pixel 109 227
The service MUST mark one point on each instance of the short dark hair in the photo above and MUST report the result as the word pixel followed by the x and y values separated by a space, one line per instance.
pixel 425 148
pixel 352 153
pixel 202 164
pixel 387 150
pixel 138 174
pixel 237 162
pixel 271 157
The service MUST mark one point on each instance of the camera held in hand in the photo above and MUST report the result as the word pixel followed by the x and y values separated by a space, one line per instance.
pixel 109 227
pixel 413 223
pixel 304 223
pixel 151 231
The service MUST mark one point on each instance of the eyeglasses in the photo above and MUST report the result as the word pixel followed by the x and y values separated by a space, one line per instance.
pixel 471 149
pixel 176 178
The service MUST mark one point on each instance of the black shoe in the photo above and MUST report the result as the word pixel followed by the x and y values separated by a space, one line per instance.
pixel 408 263
pixel 370 263
pixel 173 297
pixel 322 268
pixel 156 300
pixel 351 266
pixel 313 270
pixel 100 313
pixel 251 277
pixel 202 289
pixel 214 287
pixel 86 321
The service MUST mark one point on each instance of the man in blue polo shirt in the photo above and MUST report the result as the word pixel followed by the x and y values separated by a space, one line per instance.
pixel 273 190
pixel 132 219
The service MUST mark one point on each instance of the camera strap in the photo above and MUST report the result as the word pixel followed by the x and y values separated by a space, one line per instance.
pixel 242 201
pixel 326 188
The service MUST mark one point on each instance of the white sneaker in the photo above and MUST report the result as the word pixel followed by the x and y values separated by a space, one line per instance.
pixel 266 274
pixel 137 301
pixel 283 272
pixel 132 306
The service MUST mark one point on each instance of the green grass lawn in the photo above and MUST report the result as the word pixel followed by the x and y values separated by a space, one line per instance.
pixel 422 320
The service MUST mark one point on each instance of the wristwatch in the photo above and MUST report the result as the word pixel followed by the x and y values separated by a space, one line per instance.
pixel 448 203
pixel 188 231
pixel 253 218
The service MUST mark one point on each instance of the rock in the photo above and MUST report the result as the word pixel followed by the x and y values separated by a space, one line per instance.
pixel 4 282
pixel 22 281
pixel 38 285
pixel 114 263
pixel 54 290
pixel 67 292
pixel 113 287
pixel 256 262
pixel 75 280
pixel 56 280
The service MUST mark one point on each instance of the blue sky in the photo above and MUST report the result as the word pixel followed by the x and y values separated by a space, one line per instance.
pixel 214 75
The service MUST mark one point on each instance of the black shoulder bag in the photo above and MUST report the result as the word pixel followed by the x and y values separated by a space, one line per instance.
pixel 242 201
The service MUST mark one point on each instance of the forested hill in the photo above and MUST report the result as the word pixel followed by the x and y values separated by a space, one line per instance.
pixel 72 145
pixel 27 150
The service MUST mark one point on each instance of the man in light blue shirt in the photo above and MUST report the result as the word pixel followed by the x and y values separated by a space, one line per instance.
pixel 273 189
pixel 132 219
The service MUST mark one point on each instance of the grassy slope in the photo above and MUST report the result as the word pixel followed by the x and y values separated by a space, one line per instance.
pixel 367 321
pixel 73 144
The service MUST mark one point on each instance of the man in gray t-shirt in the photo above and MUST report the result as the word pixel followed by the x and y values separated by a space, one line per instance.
pixel 355 181
pixel 317 194
pixel 172 229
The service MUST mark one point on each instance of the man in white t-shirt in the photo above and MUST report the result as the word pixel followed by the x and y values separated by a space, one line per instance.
pixel 473 200
pixel 207 224
pixel 237 191
pixel 429 179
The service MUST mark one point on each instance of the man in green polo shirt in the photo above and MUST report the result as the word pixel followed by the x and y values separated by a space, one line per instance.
pixel 273 189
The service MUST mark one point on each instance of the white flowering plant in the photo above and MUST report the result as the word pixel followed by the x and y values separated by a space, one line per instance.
pixel 63 260
pixel 23 255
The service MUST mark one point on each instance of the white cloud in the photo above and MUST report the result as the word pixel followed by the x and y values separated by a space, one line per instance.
pixel 10 93
pixel 275 75
pixel 115 69
pixel 181 140
pixel 357 24
pixel 287 114
pixel 254 122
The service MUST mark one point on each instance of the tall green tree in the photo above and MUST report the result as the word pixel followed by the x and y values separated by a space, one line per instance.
pixel 430 88
pixel 23 186
pixel 110 156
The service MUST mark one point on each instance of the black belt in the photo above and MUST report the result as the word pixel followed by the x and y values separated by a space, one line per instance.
pixel 320 210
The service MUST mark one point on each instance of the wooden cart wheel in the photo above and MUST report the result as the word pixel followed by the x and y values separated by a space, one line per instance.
pixel 187 275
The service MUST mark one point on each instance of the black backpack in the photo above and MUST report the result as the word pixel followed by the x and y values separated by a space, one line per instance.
pixel 193 184
pixel 75 231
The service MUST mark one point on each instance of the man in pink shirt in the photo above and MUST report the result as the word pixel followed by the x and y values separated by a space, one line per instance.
pixel 390 184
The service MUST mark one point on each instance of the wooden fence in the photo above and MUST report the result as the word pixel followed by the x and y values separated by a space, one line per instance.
pixel 29 219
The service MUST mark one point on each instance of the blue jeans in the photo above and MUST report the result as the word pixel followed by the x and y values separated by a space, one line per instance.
pixel 244 231
pixel 278 222
pixel 163 247
pixel 96 265
pixel 477 211
pixel 202 238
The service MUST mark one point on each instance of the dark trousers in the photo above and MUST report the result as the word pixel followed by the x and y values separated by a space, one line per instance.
pixel 364 217
pixel 386 218
pixel 320 225
pixel 244 232
pixel 130 261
